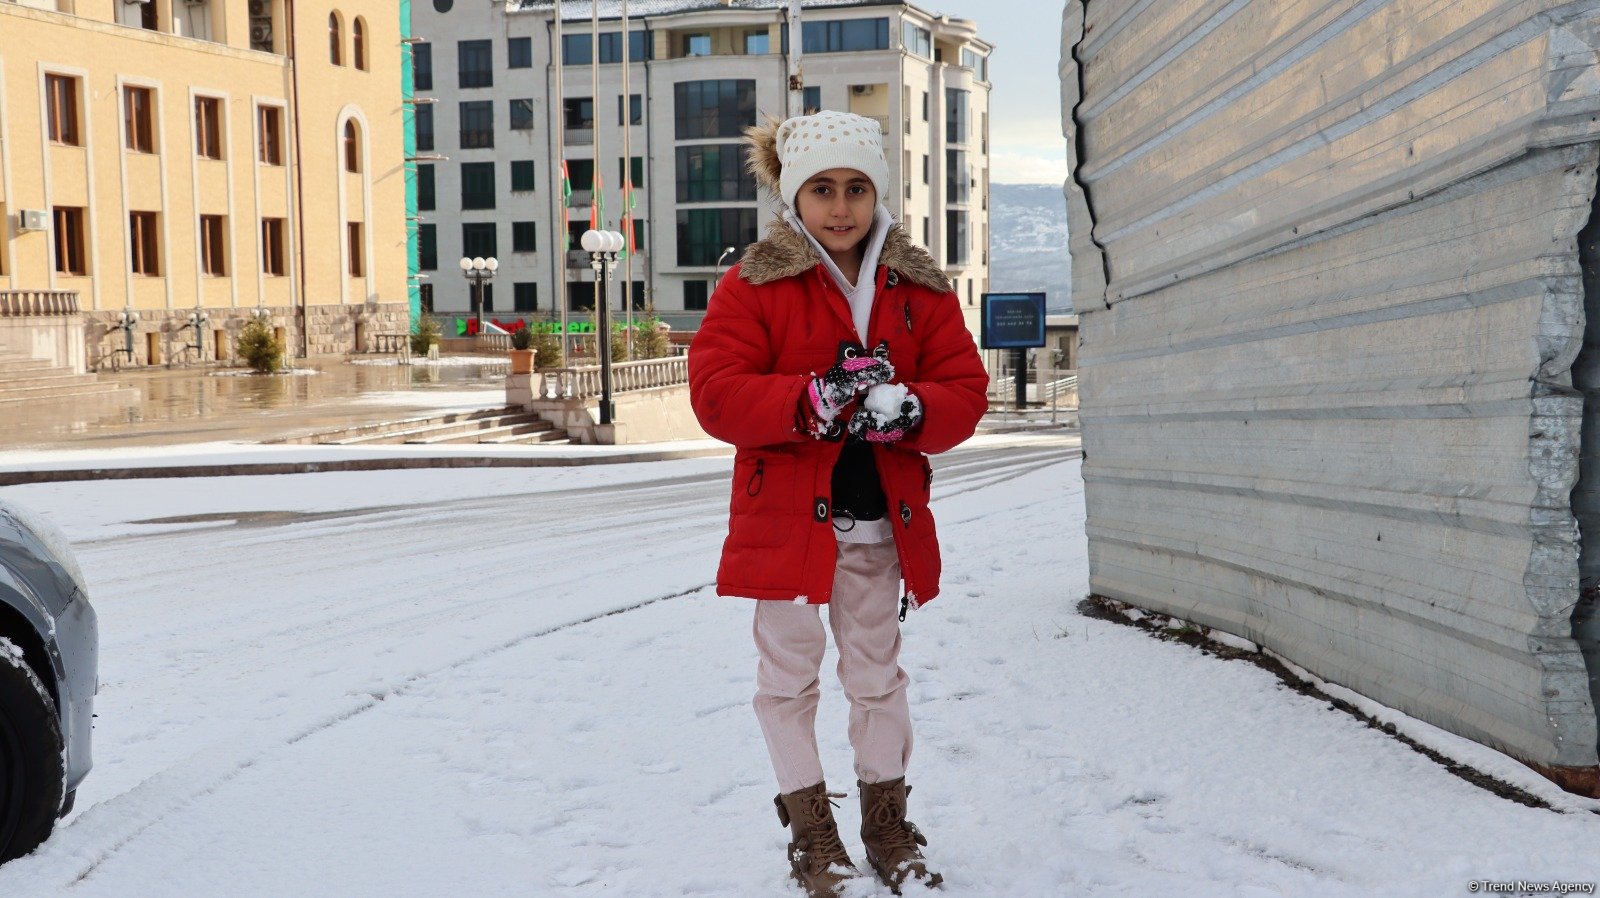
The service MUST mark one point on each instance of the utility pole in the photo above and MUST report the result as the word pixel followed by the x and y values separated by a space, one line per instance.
pixel 558 202
pixel 797 79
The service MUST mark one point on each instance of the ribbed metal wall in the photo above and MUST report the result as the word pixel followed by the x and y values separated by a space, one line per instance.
pixel 1326 255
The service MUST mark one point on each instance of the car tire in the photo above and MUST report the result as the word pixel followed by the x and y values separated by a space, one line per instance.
pixel 31 765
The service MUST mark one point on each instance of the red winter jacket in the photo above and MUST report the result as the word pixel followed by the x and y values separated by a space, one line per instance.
pixel 775 321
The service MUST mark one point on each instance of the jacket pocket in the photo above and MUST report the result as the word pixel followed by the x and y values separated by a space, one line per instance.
pixel 764 508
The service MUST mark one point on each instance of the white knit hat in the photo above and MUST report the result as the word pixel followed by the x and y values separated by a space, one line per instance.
pixel 809 144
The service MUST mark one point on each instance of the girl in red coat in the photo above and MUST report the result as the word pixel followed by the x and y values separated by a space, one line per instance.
pixel 835 357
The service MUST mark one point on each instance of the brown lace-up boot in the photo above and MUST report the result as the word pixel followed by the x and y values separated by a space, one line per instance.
pixel 892 841
pixel 816 856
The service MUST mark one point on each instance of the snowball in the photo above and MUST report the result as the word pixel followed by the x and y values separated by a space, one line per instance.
pixel 885 399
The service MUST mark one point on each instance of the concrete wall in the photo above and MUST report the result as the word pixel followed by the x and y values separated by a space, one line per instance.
pixel 1327 264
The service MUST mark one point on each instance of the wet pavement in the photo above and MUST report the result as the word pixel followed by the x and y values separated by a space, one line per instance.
pixel 205 405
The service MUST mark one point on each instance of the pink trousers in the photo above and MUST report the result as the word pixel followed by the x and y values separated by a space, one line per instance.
pixel 864 615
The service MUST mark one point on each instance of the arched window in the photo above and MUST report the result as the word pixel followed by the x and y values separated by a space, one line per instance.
pixel 352 147
pixel 335 40
pixel 358 48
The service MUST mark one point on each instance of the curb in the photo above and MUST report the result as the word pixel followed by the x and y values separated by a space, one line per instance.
pixel 17 478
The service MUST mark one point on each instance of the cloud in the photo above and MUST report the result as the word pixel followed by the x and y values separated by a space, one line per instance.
pixel 1022 164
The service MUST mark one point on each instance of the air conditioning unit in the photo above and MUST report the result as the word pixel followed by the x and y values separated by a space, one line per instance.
pixel 131 2
pixel 33 220
pixel 258 8
pixel 863 90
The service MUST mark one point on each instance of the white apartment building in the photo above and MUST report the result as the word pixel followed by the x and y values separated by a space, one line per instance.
pixel 700 71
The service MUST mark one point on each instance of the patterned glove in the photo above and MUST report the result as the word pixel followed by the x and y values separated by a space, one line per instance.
pixel 841 384
pixel 890 412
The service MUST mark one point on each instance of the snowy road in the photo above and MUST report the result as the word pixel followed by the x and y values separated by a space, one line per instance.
pixel 518 682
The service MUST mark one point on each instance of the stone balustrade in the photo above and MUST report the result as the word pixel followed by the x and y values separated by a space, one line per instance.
pixel 38 303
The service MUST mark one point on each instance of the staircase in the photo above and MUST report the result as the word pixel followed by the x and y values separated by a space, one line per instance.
pixel 27 379
pixel 491 426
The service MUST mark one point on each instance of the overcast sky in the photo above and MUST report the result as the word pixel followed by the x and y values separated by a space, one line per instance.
pixel 1025 103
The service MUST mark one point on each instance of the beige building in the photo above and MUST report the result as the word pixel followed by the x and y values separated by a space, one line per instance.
pixel 211 159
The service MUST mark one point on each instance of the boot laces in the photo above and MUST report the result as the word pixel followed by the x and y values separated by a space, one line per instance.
pixel 824 849
pixel 887 817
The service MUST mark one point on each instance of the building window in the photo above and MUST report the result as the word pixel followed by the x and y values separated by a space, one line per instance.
pixel 475 63
pixel 637 232
pixel 422 66
pixel 704 233
pixel 579 112
pixel 142 242
pixel 844 36
pixel 358 43
pixel 926 168
pixel 335 40
pixel 757 43
pixel 138 119
pixel 352 146
pixel 62 95
pixel 208 127
pixel 580 174
pixel 811 100
pixel 983 134
pixel 714 173
pixel 575 231
pixel 955 237
pixel 427 247
pixel 714 108
pixel 955 115
pixel 917 40
pixel 522 115
pixel 635 110
pixel 577 49
pixel 957 177
pixel 637 173
pixel 477 125
pixel 924 105
pixel 422 121
pixel 272 254
pixel 269 136
pixel 524 237
pixel 486 293
pixel 425 188
pixel 611 47
pixel 213 246
pixel 353 230
pixel 927 234
pixel 477 185
pixel 519 53
pixel 525 296
pixel 68 222
pixel 694 296
pixel 479 240
pixel 697 45
pixel 522 175
pixel 977 62
pixel 426 298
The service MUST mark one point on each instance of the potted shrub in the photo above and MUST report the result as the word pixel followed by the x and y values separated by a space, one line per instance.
pixel 522 351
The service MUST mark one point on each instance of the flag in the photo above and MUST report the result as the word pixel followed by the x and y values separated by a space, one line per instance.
pixel 566 204
pixel 597 205
pixel 629 203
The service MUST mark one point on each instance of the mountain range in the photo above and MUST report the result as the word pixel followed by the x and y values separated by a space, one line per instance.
pixel 1028 242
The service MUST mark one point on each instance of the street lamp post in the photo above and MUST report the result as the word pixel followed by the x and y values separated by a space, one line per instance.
pixel 602 247
pixel 477 271
pixel 718 279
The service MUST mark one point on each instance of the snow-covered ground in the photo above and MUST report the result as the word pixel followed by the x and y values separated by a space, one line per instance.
pixel 519 682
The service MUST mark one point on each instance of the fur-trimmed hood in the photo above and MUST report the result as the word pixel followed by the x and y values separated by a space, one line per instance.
pixel 786 253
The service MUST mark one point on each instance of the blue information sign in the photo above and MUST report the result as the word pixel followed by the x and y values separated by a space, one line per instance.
pixel 1013 320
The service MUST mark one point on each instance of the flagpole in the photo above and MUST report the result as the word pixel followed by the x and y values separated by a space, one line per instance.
pixel 597 177
pixel 558 106
pixel 627 167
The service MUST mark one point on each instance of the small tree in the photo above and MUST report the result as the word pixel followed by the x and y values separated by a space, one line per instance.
pixel 651 341
pixel 547 349
pixel 425 336
pixel 260 347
